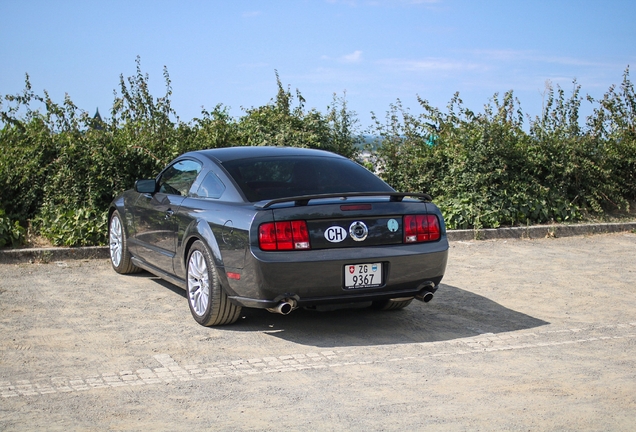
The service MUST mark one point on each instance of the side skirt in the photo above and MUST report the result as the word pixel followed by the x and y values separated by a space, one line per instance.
pixel 160 273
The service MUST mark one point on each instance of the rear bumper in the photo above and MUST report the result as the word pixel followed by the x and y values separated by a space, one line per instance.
pixel 345 298
pixel 317 277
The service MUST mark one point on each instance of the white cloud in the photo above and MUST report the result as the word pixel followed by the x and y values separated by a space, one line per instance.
pixel 533 56
pixel 250 14
pixel 354 57
pixel 429 64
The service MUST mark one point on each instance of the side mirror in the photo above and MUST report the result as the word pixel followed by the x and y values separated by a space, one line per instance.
pixel 146 186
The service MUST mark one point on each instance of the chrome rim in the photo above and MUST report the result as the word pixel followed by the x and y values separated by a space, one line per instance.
pixel 116 241
pixel 198 283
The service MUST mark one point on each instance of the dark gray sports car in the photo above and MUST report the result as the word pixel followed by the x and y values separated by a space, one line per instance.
pixel 278 228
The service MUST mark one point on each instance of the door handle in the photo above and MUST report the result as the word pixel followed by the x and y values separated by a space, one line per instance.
pixel 169 214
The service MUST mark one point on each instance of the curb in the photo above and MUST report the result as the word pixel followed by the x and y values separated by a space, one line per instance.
pixel 540 231
pixel 46 255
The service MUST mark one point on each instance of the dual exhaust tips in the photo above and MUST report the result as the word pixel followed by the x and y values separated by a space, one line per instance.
pixel 286 306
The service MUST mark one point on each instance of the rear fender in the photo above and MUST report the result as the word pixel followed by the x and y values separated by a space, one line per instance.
pixel 199 229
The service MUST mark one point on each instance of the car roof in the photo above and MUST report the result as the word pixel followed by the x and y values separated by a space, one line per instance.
pixel 232 153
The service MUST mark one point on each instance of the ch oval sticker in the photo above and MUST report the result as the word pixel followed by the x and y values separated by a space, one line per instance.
pixel 335 234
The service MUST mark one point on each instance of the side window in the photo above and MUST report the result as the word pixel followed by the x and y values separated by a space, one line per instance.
pixel 211 187
pixel 177 179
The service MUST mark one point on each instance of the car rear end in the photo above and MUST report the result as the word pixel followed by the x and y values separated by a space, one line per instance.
pixel 341 251
pixel 326 230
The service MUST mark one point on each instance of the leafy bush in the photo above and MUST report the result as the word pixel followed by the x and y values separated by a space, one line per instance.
pixel 72 227
pixel 60 168
pixel 11 233
pixel 485 170
pixel 280 124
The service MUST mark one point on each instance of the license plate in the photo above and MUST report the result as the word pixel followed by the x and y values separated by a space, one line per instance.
pixel 363 275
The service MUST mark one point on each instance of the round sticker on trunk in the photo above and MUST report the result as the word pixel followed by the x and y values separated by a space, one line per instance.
pixel 335 234
pixel 392 225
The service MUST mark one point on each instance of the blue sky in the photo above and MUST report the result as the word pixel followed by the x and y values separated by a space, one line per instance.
pixel 377 51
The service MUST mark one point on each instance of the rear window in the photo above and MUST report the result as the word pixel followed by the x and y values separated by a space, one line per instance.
pixel 281 177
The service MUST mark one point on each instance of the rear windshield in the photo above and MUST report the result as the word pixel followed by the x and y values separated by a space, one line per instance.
pixel 280 177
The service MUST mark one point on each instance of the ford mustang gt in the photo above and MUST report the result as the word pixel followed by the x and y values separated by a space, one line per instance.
pixel 278 228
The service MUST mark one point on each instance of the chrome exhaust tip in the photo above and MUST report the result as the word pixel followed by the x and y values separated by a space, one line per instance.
pixel 425 297
pixel 285 307
pixel 426 292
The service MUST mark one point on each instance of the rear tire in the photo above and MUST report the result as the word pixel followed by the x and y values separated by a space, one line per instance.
pixel 118 245
pixel 208 302
pixel 391 304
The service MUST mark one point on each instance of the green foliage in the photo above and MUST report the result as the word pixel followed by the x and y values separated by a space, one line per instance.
pixel 215 129
pixel 613 129
pixel 60 168
pixel 485 170
pixel 279 123
pixel 73 227
pixel 11 233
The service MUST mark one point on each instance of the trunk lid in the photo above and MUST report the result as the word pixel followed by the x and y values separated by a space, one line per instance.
pixel 351 223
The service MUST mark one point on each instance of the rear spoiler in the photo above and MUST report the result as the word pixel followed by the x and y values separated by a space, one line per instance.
pixel 304 199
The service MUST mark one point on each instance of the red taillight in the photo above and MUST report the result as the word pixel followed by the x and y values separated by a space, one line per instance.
pixel 288 235
pixel 284 236
pixel 267 236
pixel 300 234
pixel 421 228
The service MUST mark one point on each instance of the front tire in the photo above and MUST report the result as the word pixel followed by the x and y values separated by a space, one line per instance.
pixel 208 302
pixel 118 245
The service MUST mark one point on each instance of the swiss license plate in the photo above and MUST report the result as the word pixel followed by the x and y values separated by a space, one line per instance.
pixel 363 275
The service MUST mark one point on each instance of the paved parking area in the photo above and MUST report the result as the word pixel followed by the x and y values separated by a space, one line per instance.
pixel 523 334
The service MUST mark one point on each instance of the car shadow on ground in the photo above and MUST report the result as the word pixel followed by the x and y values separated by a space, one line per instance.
pixel 171 287
pixel 454 313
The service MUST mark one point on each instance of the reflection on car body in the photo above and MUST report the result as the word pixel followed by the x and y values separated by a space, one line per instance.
pixel 278 228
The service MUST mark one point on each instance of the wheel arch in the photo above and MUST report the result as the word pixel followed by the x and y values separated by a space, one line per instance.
pixel 200 230
pixel 119 205
pixel 120 245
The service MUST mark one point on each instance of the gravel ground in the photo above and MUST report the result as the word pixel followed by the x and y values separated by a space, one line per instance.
pixel 522 335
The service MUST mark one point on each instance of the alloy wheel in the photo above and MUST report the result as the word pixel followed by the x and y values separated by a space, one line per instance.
pixel 115 241
pixel 198 283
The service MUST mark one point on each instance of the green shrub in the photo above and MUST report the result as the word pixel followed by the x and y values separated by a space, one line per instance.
pixel 486 170
pixel 60 168
pixel 11 233
pixel 279 123
pixel 72 227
